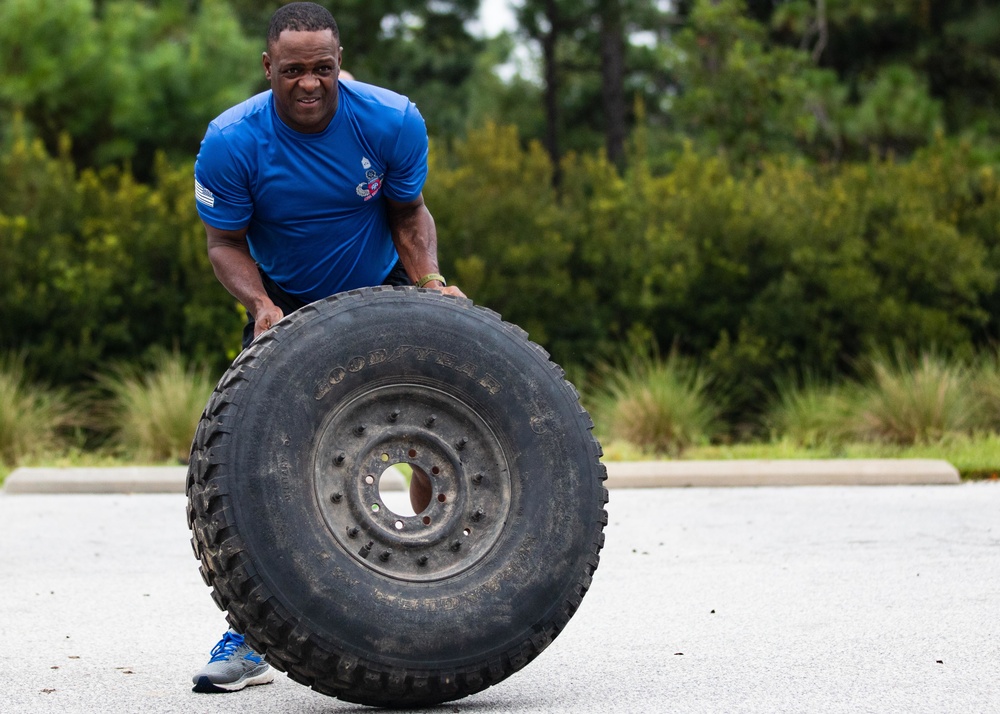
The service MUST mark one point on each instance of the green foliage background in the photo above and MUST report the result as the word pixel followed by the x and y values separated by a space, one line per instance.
pixel 780 211
pixel 757 271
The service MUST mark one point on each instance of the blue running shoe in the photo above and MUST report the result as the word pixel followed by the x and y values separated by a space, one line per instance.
pixel 233 666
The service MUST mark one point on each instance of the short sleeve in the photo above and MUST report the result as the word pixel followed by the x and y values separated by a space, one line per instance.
pixel 407 168
pixel 221 184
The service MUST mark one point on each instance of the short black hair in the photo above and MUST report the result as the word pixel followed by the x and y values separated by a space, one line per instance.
pixel 301 17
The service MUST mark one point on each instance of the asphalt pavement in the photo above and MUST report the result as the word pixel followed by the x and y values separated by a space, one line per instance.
pixel 768 599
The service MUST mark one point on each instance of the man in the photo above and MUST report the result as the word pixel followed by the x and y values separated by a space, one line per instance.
pixel 306 190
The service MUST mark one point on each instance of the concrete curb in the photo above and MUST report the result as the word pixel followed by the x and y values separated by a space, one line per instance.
pixel 621 474
pixel 119 479
pixel 790 472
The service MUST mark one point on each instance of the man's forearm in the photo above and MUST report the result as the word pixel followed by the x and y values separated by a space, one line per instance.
pixel 237 272
pixel 415 236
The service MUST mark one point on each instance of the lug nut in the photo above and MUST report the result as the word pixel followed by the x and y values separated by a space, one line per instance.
pixel 359 429
pixel 337 497
pixel 477 479
pixel 340 458
pixel 431 419
pixel 386 554
pixel 422 560
pixel 456 546
pixel 478 514
pixel 353 532
pixel 394 415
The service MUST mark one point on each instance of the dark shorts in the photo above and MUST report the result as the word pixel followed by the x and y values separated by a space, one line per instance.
pixel 289 303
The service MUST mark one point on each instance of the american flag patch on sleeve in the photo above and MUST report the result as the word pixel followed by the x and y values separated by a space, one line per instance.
pixel 203 195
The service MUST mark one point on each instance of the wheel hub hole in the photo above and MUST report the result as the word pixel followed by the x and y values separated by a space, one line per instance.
pixel 416 493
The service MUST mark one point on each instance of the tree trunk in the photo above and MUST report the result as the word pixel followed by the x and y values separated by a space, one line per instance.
pixel 613 80
pixel 552 88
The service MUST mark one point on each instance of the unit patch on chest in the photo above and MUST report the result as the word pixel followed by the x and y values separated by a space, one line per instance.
pixel 372 184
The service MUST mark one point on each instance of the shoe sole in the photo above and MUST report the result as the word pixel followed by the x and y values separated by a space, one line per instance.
pixel 204 685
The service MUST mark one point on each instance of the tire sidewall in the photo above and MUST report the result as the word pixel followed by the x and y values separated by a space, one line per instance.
pixel 342 347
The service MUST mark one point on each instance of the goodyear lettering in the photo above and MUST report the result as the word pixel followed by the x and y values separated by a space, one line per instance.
pixel 335 378
pixel 446 360
pixel 422 354
pixel 490 384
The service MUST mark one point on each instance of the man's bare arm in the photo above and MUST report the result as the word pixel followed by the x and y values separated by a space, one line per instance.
pixel 415 236
pixel 236 270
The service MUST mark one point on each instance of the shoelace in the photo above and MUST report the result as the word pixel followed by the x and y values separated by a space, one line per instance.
pixel 227 645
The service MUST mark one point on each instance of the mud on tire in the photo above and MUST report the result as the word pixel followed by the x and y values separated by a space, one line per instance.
pixel 298 546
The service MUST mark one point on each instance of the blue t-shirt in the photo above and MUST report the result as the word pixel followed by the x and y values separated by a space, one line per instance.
pixel 313 204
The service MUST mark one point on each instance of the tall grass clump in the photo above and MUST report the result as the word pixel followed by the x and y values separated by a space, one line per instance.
pixel 33 418
pixel 153 415
pixel 655 404
pixel 813 413
pixel 919 400
pixel 986 384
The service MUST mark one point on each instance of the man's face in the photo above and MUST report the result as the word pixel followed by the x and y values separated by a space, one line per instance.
pixel 302 68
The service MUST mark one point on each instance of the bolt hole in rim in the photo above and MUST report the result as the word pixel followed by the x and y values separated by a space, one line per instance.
pixel 453 454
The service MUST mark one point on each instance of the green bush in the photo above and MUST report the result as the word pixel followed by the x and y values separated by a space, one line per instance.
pixel 98 267
pixel 659 405
pixel 154 414
pixel 33 418
pixel 986 384
pixel 813 412
pixel 501 241
pixel 900 400
pixel 918 400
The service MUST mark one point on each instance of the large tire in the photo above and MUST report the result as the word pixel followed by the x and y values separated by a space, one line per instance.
pixel 301 551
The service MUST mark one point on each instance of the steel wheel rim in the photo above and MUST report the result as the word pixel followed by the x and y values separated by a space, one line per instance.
pixel 422 425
